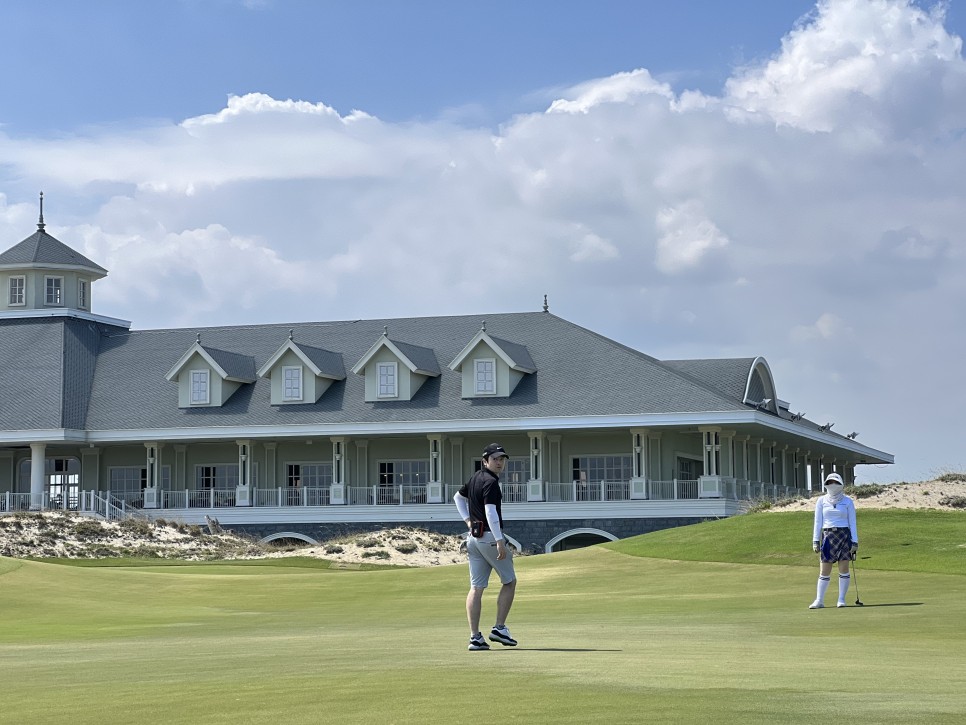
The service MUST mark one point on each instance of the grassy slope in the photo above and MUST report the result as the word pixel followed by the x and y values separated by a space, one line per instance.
pixel 900 540
pixel 605 637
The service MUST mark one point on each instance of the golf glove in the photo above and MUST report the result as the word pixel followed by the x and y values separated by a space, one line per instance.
pixel 855 548
pixel 815 546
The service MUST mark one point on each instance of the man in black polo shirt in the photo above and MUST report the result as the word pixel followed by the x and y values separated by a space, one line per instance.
pixel 478 502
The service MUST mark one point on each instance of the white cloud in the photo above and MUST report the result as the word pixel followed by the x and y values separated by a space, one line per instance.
pixel 687 237
pixel 591 248
pixel 812 214
pixel 828 327
pixel 859 63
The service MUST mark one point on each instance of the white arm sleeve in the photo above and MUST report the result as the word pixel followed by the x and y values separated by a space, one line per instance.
pixel 462 505
pixel 853 528
pixel 819 520
pixel 493 519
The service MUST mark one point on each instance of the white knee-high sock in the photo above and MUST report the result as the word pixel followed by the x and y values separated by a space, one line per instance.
pixel 822 587
pixel 844 580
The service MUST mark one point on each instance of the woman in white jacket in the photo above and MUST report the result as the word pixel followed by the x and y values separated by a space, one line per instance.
pixel 834 538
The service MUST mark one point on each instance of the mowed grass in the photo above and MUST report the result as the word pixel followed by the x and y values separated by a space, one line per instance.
pixel 606 635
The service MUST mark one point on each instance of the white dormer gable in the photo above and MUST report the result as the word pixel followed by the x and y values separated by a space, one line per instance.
pixel 301 374
pixel 207 377
pixel 395 370
pixel 491 367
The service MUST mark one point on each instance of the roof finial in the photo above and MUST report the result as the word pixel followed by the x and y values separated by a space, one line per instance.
pixel 291 334
pixel 546 307
pixel 198 338
pixel 385 330
pixel 483 326
pixel 40 224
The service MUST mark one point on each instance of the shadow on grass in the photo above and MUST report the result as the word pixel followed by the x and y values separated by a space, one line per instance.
pixel 559 649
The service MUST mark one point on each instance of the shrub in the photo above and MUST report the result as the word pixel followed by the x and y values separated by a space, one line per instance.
pixel 195 530
pixel 759 506
pixel 368 543
pixel 865 491
pixel 333 549
pixel 88 529
pixel 952 477
pixel 957 502
pixel 377 554
pixel 136 527
pixel 407 547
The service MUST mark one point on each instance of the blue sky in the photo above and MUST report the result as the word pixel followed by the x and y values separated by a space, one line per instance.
pixel 692 179
pixel 104 62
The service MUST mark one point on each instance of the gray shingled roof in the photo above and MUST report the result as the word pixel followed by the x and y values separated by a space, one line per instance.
pixel 41 249
pixel 330 363
pixel 580 373
pixel 518 353
pixel 729 375
pixel 237 366
pixel 422 357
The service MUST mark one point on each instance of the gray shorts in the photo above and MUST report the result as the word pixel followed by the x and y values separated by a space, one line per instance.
pixel 482 554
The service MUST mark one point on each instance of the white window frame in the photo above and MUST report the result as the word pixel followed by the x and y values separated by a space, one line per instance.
pixel 223 476
pixel 206 375
pixel 82 294
pixel 59 287
pixel 309 474
pixel 384 389
pixel 11 302
pixel 482 385
pixel 285 383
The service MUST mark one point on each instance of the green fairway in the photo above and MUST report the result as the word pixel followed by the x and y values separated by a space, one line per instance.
pixel 605 636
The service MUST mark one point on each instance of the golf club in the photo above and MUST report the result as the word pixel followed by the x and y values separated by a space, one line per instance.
pixel 856 580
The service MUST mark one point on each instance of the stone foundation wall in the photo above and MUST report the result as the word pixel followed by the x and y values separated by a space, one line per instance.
pixel 532 535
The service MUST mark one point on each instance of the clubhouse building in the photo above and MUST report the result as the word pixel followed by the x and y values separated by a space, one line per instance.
pixel 307 430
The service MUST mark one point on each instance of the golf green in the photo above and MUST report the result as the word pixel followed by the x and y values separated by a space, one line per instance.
pixel 605 636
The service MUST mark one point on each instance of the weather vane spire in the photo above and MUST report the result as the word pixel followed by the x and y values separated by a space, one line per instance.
pixel 40 224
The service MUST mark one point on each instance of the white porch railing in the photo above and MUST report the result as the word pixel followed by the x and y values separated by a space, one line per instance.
pixel 576 492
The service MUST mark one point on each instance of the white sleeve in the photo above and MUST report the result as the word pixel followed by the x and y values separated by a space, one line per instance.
pixel 853 529
pixel 817 530
pixel 493 519
pixel 462 505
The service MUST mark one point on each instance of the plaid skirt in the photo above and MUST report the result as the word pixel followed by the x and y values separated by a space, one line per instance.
pixel 836 545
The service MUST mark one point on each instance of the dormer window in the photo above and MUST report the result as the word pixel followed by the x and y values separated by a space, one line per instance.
pixel 292 382
pixel 54 291
pixel 199 387
pixel 387 373
pixel 82 293
pixel 17 296
pixel 492 367
pixel 485 375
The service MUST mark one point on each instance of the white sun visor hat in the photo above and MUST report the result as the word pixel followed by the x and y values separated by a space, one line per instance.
pixel 834 478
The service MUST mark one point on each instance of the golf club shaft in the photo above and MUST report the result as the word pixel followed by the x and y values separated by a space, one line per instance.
pixel 855 580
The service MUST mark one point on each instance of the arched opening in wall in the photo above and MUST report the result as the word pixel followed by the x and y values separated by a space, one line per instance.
pixel 578 539
pixel 288 540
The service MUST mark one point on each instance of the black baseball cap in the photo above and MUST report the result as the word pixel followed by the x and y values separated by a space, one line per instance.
pixel 494 449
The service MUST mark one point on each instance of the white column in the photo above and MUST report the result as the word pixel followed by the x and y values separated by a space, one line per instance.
pixel 243 491
pixel 535 484
pixel 638 463
pixel 434 487
pixel 337 491
pixel 38 460
pixel 151 465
